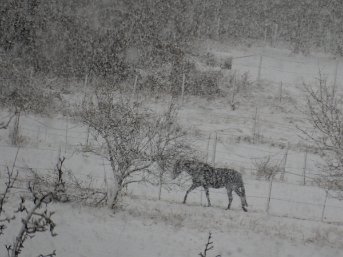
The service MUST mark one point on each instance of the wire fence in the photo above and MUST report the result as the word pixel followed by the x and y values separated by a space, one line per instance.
pixel 273 68
pixel 263 198
pixel 72 136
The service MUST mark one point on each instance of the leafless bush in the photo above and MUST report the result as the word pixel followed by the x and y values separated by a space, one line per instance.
pixel 19 95
pixel 209 246
pixel 324 113
pixel 203 83
pixel 65 187
pixel 9 184
pixel 237 85
pixel 210 59
pixel 85 191
pixel 227 63
pixel 266 169
pixel 34 221
pixel 132 137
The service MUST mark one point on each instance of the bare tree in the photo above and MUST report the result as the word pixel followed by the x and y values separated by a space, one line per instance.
pixel 324 113
pixel 132 137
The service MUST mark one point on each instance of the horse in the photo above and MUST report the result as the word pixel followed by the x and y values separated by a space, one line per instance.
pixel 208 177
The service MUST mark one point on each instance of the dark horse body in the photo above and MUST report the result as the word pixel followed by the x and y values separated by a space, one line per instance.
pixel 208 177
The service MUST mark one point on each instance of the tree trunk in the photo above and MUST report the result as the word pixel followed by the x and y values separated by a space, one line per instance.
pixel 114 197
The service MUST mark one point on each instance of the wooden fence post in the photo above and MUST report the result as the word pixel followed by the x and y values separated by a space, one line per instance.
pixel 269 193
pixel 183 87
pixel 335 76
pixel 66 137
pixel 208 147
pixel 275 35
pixel 38 132
pixel 259 70
pixel 15 158
pixel 200 196
pixel 85 82
pixel 305 166
pixel 282 177
pixel 324 206
pixel 45 134
pixel 134 88
pixel 214 150
pixel 254 129
pixel 280 96
pixel 87 136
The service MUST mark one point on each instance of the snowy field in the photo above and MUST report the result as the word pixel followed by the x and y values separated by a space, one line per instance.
pixel 301 221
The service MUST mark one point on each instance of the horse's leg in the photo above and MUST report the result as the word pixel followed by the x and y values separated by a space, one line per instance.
pixel 229 194
pixel 242 196
pixel 193 186
pixel 207 195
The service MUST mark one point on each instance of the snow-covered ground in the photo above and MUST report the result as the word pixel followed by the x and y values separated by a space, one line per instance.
pixel 159 228
pixel 146 226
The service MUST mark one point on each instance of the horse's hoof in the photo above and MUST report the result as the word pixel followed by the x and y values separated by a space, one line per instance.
pixel 244 209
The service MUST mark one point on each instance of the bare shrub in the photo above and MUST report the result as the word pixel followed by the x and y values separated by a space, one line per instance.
pixel 34 221
pixel 19 95
pixel 209 246
pixel 324 113
pixel 227 64
pixel 237 86
pixel 267 169
pixel 9 184
pixel 203 83
pixel 65 187
pixel 210 59
pixel 130 137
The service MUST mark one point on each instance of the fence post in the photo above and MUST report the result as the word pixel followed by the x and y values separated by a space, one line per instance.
pixel 275 34
pixel 214 150
pixel 134 88
pixel 324 206
pixel 15 159
pixel 305 166
pixel 335 76
pixel 87 137
pixel 254 129
pixel 66 137
pixel 201 196
pixel 259 70
pixel 38 132
pixel 85 82
pixel 208 147
pixel 282 177
pixel 280 97
pixel 265 35
pixel 45 134
pixel 183 87
pixel 59 153
pixel 269 193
